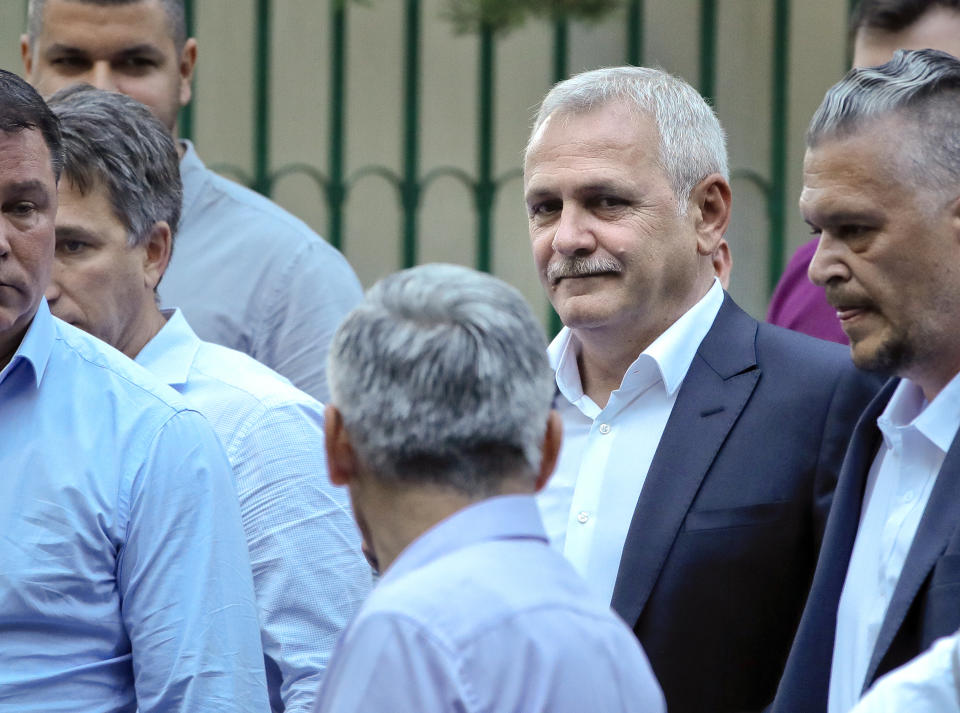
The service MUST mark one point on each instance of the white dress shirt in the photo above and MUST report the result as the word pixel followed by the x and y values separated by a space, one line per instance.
pixel 916 437
pixel 588 504
pixel 929 683
pixel 308 572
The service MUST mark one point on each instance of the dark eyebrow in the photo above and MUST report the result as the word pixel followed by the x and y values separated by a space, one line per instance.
pixel 140 50
pixel 34 187
pixel 591 189
pixel 842 217
pixel 68 232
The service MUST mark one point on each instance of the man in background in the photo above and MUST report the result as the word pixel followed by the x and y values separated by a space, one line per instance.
pixel 702 447
pixel 881 190
pixel 247 274
pixel 124 575
pixel 120 200
pixel 441 427
pixel 878 28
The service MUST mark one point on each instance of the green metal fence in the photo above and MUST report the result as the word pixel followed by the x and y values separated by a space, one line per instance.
pixel 410 184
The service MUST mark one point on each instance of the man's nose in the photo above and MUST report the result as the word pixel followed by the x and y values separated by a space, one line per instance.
pixel 574 234
pixel 102 77
pixel 828 263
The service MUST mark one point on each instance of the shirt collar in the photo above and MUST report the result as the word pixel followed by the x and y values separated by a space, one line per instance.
pixel 36 345
pixel 938 420
pixel 192 173
pixel 170 354
pixel 499 518
pixel 672 352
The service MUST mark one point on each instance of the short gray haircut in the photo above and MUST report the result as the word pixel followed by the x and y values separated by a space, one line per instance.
pixel 442 378
pixel 176 18
pixel 692 142
pixel 919 86
pixel 112 140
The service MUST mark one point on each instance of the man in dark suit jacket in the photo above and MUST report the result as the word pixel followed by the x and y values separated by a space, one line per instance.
pixel 882 190
pixel 701 448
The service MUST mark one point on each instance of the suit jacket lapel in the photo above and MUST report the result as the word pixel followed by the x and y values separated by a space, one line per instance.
pixel 938 524
pixel 715 390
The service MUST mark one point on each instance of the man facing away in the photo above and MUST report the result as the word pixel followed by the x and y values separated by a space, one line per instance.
pixel 119 205
pixel 124 575
pixel 702 447
pixel 881 189
pixel 879 28
pixel 441 427
pixel 246 273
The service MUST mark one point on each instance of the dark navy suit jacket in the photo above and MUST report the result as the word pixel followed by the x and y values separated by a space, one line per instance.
pixel 724 539
pixel 926 601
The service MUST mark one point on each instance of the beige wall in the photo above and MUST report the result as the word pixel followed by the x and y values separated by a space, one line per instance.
pixel 374 113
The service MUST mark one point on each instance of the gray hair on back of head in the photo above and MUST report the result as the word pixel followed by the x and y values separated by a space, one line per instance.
pixel 442 378
pixel 919 86
pixel 112 140
pixel 692 142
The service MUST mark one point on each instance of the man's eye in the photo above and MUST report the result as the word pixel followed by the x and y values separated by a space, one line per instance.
pixel 608 202
pixel 848 232
pixel 136 64
pixel 71 247
pixel 69 63
pixel 543 208
pixel 815 232
pixel 21 209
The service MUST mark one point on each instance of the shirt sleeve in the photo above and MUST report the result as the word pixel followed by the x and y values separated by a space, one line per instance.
pixel 309 573
pixel 389 663
pixel 309 300
pixel 184 579
pixel 929 683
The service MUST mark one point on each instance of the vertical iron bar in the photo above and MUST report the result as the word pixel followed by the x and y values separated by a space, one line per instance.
pixel 778 139
pixel 336 191
pixel 560 70
pixel 485 185
pixel 185 124
pixel 708 49
pixel 411 133
pixel 635 32
pixel 261 109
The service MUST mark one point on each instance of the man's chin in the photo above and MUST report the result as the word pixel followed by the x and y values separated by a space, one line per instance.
pixel 888 357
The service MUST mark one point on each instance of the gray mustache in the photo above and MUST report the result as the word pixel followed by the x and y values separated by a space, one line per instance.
pixel 581 267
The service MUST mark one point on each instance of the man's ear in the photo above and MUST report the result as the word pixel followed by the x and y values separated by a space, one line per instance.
pixel 711 199
pixel 27 57
pixel 188 62
pixel 551 449
pixel 723 263
pixel 157 252
pixel 341 458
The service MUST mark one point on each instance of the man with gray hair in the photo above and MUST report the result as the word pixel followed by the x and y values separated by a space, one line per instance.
pixel 881 189
pixel 246 273
pixel 442 429
pixel 702 447
pixel 119 208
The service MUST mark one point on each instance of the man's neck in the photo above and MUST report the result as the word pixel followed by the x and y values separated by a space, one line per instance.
pixel 148 326
pixel 396 516
pixel 604 359
pixel 11 339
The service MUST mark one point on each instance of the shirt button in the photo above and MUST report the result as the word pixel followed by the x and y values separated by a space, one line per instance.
pixel 582 517
pixel 604 428
pixel 908 496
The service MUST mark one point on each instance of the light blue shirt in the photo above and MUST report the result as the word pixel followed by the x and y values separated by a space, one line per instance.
pixel 124 574
pixel 309 574
pixel 480 614
pixel 252 277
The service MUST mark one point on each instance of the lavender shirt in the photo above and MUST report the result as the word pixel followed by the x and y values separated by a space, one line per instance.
pixel 800 305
